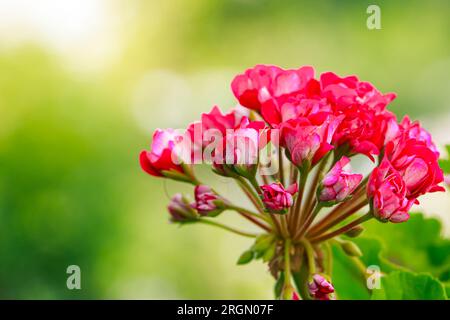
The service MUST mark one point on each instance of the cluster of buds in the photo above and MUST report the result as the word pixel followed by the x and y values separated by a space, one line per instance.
pixel 305 196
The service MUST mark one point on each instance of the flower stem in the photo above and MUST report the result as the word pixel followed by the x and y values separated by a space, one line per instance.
pixel 332 219
pixel 297 213
pixel 310 255
pixel 280 167
pixel 318 176
pixel 329 262
pixel 228 228
pixel 287 268
pixel 308 221
pixel 250 213
pixel 254 198
pixel 344 229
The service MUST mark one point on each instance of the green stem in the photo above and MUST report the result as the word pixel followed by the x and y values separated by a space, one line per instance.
pixel 287 295
pixel 307 223
pixel 331 221
pixel 254 198
pixel 329 263
pixel 228 228
pixel 298 203
pixel 310 255
pixel 255 185
pixel 250 213
pixel 344 229
pixel 280 167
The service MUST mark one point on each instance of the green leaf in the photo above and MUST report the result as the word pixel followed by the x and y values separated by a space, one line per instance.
pixel 348 279
pixel 416 244
pixel 245 257
pixel 445 165
pixel 270 252
pixel 401 285
pixel 262 244
pixel 278 288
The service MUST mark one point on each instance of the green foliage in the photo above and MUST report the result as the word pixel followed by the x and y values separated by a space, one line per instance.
pixel 445 163
pixel 399 253
pixel 264 247
pixel 401 285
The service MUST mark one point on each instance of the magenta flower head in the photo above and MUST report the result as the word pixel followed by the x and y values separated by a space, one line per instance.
pixel 180 210
pixel 339 183
pixel 387 192
pixel 276 198
pixel 307 140
pixel 207 202
pixel 320 288
pixel 161 158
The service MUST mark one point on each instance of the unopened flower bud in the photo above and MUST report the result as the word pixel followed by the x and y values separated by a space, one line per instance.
pixel 354 232
pixel 338 184
pixel 207 202
pixel 351 249
pixel 180 210
pixel 320 288
pixel 276 198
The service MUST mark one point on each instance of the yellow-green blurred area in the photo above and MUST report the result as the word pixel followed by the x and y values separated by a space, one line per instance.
pixel 84 83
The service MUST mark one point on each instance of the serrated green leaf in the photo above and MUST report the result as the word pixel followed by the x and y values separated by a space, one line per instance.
pixel 401 285
pixel 245 257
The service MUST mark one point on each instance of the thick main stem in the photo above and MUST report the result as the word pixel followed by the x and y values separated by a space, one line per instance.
pixel 310 255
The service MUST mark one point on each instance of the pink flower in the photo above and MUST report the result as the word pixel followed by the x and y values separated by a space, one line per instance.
pixel 308 139
pixel 320 288
pixel 259 87
pixel 276 198
pixel 348 91
pixel 366 120
pixel 295 296
pixel 207 202
pixel 239 149
pixel 162 156
pixel 212 128
pixel 417 164
pixel 338 184
pixel 387 192
pixel 180 210
pixel 415 131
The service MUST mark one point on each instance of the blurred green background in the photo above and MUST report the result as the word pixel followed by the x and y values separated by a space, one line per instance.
pixel 84 83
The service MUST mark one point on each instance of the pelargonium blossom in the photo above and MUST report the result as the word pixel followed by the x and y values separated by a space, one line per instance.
pixel 339 183
pixel 387 191
pixel 309 139
pixel 322 122
pixel 277 198
pixel 162 156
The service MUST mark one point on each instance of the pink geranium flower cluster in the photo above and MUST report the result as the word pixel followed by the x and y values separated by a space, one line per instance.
pixel 315 125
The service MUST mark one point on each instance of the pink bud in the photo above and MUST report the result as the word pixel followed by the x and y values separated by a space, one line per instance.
pixel 320 288
pixel 180 210
pixel 295 296
pixel 339 183
pixel 276 198
pixel 207 202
